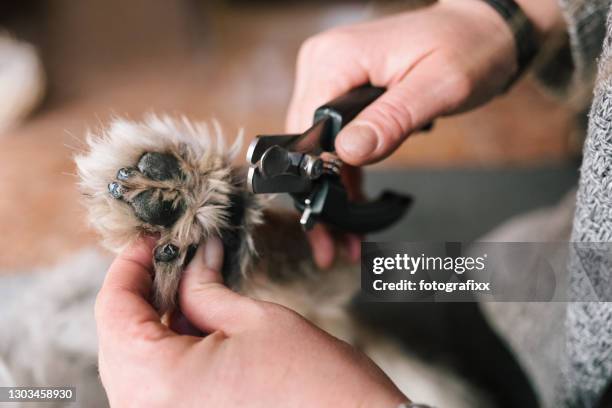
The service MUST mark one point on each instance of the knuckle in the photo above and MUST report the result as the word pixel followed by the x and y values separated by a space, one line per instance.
pixel 207 295
pixel 448 59
pixel 265 313
pixel 308 49
pixel 339 37
pixel 107 310
pixel 459 83
pixel 460 87
pixel 400 116
pixel 261 312
pixel 147 332
pixel 395 119
pixel 212 293
pixel 324 44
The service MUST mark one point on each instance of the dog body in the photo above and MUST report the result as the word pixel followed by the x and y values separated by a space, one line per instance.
pixel 285 274
pixel 175 179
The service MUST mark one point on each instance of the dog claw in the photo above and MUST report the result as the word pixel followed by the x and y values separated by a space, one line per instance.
pixel 124 173
pixel 116 190
pixel 166 253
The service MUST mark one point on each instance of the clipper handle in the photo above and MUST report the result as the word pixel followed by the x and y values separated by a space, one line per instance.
pixel 343 109
pixel 333 207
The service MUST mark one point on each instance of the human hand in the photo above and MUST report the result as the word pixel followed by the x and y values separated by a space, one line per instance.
pixel 254 354
pixel 325 241
pixel 442 59
pixel 435 61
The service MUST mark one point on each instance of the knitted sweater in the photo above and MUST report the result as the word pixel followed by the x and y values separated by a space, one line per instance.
pixel 587 359
pixel 588 369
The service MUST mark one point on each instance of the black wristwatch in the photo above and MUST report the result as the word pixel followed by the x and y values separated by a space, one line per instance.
pixel 525 38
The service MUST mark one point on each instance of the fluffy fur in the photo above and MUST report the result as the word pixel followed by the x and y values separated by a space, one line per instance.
pixel 209 183
pixel 269 256
pixel 48 335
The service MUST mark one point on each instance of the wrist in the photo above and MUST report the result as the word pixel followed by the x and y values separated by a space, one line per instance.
pixel 527 43
pixel 545 15
pixel 498 48
pixel 529 22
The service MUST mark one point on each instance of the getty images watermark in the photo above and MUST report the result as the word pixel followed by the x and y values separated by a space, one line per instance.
pixel 422 263
pixel 483 271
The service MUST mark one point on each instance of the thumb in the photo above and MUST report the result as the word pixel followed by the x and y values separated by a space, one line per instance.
pixel 423 94
pixel 204 300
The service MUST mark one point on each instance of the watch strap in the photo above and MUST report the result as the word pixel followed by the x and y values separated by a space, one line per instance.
pixel 527 44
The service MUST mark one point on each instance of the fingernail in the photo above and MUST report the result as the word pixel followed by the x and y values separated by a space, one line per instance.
pixel 206 265
pixel 213 253
pixel 358 141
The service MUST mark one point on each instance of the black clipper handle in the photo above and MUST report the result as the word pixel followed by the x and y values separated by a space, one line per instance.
pixel 358 217
pixel 369 216
pixel 343 109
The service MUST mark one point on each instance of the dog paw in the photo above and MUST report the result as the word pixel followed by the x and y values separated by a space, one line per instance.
pixel 172 179
pixel 152 189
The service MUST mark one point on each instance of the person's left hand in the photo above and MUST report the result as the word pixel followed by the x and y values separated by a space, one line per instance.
pixel 255 354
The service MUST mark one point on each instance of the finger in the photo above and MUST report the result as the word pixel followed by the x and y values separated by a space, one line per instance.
pixel 208 304
pixel 122 310
pixel 352 245
pixel 320 78
pixel 322 246
pixel 429 90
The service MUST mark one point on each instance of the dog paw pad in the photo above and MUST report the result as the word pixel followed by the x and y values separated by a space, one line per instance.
pixel 159 166
pixel 151 207
pixel 160 206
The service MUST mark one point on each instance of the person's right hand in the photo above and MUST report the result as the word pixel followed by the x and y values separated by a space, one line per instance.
pixel 438 60
pixel 434 61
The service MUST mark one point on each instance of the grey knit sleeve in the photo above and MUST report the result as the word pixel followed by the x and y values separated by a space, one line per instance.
pixel 589 324
pixel 570 70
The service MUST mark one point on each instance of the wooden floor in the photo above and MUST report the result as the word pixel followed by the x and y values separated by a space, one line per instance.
pixel 234 63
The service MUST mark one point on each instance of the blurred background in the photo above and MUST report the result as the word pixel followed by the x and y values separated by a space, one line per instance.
pixel 234 61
